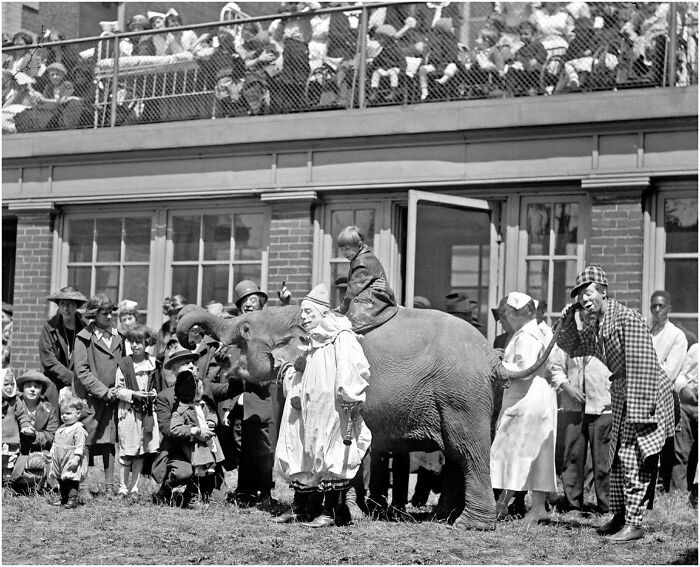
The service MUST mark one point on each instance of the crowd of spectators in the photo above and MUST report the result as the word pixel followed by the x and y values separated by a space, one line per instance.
pixel 414 52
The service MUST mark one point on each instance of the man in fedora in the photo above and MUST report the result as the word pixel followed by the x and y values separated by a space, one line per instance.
pixel 459 305
pixel 171 468
pixel 642 403
pixel 57 340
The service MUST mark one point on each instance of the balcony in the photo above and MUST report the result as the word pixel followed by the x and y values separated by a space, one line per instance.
pixel 340 59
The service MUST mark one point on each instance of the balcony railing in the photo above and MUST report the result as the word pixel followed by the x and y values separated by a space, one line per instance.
pixel 347 58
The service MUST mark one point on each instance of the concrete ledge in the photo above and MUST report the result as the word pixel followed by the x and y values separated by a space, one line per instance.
pixel 474 115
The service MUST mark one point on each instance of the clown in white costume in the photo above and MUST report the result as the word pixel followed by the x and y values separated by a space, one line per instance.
pixel 323 437
pixel 522 453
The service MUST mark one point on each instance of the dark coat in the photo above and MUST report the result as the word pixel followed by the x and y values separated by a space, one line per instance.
pixel 45 425
pixel 183 420
pixel 206 364
pixel 365 307
pixel 57 365
pixel 96 371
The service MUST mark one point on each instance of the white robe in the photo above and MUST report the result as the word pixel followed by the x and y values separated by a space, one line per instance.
pixel 522 453
pixel 310 447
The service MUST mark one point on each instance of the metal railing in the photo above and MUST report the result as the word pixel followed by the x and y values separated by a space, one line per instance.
pixel 347 57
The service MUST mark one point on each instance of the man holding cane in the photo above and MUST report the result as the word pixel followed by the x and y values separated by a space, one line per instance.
pixel 642 403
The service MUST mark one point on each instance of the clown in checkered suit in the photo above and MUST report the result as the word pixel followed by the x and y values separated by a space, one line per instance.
pixel 642 402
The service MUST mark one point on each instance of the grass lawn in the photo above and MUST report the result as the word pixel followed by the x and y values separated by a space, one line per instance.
pixel 118 532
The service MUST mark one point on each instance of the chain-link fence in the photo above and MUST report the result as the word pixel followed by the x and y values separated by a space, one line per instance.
pixel 308 58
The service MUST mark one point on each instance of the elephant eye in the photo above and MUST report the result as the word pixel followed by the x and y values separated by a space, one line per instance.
pixel 283 342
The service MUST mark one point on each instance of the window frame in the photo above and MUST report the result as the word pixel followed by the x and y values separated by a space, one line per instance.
pixel 63 232
pixel 581 246
pixel 655 254
pixel 169 251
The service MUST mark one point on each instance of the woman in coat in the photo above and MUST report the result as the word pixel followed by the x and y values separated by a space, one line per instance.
pixel 57 340
pixel 97 352
pixel 31 470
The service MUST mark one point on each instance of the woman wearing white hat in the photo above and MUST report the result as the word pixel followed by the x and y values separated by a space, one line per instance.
pixel 522 453
pixel 322 437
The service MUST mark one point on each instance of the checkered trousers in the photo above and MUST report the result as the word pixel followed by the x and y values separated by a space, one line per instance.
pixel 632 478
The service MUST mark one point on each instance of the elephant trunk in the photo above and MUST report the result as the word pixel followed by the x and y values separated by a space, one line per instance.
pixel 224 330
pixel 505 375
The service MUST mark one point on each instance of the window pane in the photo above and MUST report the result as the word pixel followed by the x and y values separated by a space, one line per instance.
pixel 687 326
pixel 246 272
pixel 186 238
pixel 564 280
pixel 215 283
pixel 217 237
pixel 338 269
pixel 185 282
pixel 538 225
pixel 248 236
pixel 108 234
pixel 681 223
pixel 136 285
pixel 566 221
pixel 537 274
pixel 682 284
pixel 339 220
pixel 79 276
pixel 80 240
pixel 137 240
pixel 364 220
pixel 107 281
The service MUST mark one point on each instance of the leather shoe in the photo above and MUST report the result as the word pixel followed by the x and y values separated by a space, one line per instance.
pixel 321 521
pixel 612 526
pixel 628 533
pixel 286 518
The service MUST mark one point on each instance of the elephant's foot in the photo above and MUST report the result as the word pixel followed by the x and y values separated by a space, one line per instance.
pixel 467 523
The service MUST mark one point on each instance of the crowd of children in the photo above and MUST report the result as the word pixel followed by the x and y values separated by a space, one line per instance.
pixel 414 53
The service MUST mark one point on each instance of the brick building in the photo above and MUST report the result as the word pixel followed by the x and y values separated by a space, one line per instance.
pixel 481 196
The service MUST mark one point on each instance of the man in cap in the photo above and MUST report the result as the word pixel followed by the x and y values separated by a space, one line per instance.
pixel 171 468
pixel 642 403
pixel 250 417
pixel 459 305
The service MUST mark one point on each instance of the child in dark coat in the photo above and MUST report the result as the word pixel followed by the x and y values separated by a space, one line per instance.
pixel 369 301
pixel 192 427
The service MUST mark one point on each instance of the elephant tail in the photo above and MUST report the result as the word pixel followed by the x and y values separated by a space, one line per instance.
pixel 502 376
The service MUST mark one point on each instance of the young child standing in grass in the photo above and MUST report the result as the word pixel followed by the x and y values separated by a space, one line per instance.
pixel 69 459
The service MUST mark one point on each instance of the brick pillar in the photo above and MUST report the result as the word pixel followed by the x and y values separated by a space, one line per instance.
pixel 291 249
pixel 32 285
pixel 617 244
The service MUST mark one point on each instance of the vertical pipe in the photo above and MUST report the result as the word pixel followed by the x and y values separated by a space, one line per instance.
pixel 115 82
pixel 363 56
pixel 672 44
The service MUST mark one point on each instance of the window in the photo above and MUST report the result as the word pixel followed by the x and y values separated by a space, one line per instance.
pixel 212 251
pixel 110 255
pixel 676 256
pixel 554 248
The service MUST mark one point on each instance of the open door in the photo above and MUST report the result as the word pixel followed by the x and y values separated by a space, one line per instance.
pixel 451 247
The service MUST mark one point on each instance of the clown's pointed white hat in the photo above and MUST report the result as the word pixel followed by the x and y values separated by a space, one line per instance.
pixel 320 295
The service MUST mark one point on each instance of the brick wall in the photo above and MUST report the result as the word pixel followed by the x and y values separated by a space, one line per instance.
pixel 32 285
pixel 617 244
pixel 291 249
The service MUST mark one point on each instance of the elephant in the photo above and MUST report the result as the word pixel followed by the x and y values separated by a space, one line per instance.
pixel 430 388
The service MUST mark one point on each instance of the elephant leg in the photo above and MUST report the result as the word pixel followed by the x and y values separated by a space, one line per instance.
pixel 451 501
pixel 469 445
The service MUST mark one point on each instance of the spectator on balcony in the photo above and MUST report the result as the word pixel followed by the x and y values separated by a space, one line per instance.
pixel 508 38
pixel 142 44
pixel 67 55
pixel 259 56
pixel 59 94
pixel 31 62
pixel 161 41
pixel 179 41
pixel 340 53
pixel 554 27
pixel 523 75
pixel 388 63
pixel 293 34
pixel 18 96
pixel 9 60
pixel 232 12
pixel 645 33
pixel 440 62
pixel 485 64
